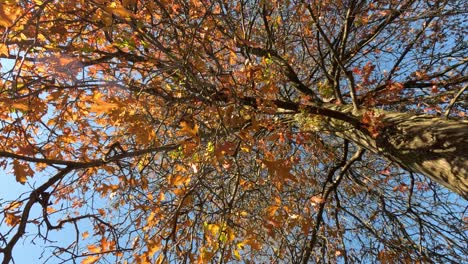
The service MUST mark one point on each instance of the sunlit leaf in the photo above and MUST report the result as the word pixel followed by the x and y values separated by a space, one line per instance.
pixel 12 219
pixel 90 260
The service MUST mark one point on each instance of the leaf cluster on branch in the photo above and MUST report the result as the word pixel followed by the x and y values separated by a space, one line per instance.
pixel 250 131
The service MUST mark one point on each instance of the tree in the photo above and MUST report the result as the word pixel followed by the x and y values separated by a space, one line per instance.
pixel 223 131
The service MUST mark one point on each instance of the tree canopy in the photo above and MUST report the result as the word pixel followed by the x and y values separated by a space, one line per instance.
pixel 250 131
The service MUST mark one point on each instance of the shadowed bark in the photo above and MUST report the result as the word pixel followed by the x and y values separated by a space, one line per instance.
pixel 433 146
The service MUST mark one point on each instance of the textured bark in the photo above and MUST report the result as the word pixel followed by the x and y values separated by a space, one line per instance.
pixel 433 146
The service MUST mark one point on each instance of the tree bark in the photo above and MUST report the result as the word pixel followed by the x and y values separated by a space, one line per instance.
pixel 433 146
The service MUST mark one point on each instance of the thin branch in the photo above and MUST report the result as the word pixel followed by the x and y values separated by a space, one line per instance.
pixel 452 102
pixel 91 163
pixel 357 156
pixel 349 75
pixel 36 195
pixel 289 71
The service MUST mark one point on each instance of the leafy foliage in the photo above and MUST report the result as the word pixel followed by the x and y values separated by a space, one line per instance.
pixel 225 131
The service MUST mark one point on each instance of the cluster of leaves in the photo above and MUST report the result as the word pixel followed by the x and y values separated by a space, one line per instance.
pixel 170 127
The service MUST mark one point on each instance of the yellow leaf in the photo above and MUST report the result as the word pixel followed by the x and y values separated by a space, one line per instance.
pixel 21 171
pixel 252 242
pixel 213 229
pixel 237 254
pixel 160 259
pixel 121 11
pixel 85 235
pixel 90 260
pixel 232 58
pixel 4 49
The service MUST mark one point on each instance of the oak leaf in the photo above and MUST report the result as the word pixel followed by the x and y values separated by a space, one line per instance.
pixel 22 171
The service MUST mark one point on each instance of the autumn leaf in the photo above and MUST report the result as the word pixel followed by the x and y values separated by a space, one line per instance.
pixel 279 169
pixel 178 180
pixel 4 50
pixel 118 10
pixel 373 122
pixel 317 200
pixel 103 107
pixel 12 219
pixel 153 248
pixel 205 255
pixel 21 106
pixel 188 128
pixel 237 254
pixel 236 121
pixel 8 13
pixel 94 249
pixel 90 260
pixel 22 171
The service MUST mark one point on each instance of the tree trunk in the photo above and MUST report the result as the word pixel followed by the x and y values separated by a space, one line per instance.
pixel 433 146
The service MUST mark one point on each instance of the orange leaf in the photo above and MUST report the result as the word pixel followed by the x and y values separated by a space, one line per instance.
pixel 13 206
pixel 8 14
pixel 118 10
pixel 316 200
pixel 177 180
pixel 153 248
pixel 94 249
pixel 103 107
pixel 188 128
pixel 90 260
pixel 20 106
pixel 3 49
pixel 22 171
pixel 12 219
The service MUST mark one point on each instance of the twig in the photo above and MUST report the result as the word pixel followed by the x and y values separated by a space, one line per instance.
pixel 452 102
